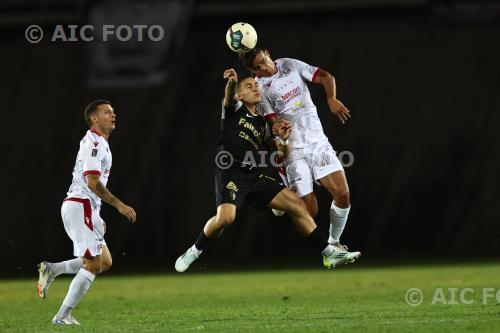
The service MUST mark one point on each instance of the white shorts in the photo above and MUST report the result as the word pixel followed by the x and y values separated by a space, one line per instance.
pixel 84 226
pixel 310 163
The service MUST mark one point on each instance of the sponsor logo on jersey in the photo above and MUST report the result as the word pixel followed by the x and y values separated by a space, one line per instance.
pixel 94 153
pixel 296 106
pixel 257 135
pixel 291 94
pixel 232 186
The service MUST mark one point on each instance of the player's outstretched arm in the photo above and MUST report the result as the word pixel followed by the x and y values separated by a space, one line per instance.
pixel 102 192
pixel 336 107
pixel 230 97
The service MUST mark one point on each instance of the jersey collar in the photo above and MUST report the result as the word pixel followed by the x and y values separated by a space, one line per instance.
pixel 93 130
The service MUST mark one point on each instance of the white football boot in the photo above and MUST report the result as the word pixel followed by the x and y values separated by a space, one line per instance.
pixel 340 256
pixel 184 261
pixel 351 256
pixel 68 320
pixel 45 278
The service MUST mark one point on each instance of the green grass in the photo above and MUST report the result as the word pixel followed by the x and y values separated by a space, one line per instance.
pixel 349 299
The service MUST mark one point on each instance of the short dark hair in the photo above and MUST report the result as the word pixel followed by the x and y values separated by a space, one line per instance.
pixel 240 81
pixel 248 57
pixel 91 108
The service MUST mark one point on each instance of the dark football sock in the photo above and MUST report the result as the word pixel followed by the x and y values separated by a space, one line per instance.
pixel 202 241
pixel 320 242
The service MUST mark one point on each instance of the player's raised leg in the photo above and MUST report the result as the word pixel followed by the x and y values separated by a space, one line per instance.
pixel 287 201
pixel 226 213
pixel 48 271
pixel 106 259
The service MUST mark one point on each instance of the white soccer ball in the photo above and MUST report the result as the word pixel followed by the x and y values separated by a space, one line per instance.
pixel 241 37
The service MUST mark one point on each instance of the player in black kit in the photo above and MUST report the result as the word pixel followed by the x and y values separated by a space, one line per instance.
pixel 238 180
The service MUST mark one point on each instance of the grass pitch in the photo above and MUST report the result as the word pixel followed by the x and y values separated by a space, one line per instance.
pixel 349 299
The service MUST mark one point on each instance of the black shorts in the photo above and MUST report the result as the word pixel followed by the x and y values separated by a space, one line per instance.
pixel 237 185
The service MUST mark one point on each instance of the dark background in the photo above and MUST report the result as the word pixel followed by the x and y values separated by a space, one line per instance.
pixel 421 78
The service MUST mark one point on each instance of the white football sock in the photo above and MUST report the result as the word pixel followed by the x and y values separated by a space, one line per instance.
pixel 78 287
pixel 196 251
pixel 327 251
pixel 338 219
pixel 67 267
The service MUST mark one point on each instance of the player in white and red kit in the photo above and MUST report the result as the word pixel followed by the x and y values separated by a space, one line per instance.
pixel 310 157
pixel 80 213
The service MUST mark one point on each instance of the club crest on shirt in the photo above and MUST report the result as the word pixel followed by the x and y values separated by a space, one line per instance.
pixel 232 195
pixel 94 153
pixel 232 186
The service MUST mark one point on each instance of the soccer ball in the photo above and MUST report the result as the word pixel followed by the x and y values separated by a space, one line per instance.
pixel 241 37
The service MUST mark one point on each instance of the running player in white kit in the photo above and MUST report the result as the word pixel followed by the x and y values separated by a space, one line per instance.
pixel 80 213
pixel 310 157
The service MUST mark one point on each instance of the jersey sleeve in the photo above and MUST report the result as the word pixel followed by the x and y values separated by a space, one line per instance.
pixel 306 71
pixel 264 108
pixel 228 110
pixel 93 153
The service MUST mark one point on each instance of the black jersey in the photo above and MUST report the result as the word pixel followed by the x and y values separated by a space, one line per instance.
pixel 241 132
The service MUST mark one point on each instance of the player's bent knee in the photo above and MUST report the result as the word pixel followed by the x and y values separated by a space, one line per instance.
pixel 342 195
pixel 228 221
pixel 92 265
pixel 95 269
pixel 225 219
pixel 226 215
pixel 106 264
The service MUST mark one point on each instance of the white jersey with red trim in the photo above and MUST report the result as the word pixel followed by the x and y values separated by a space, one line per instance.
pixel 94 157
pixel 285 94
